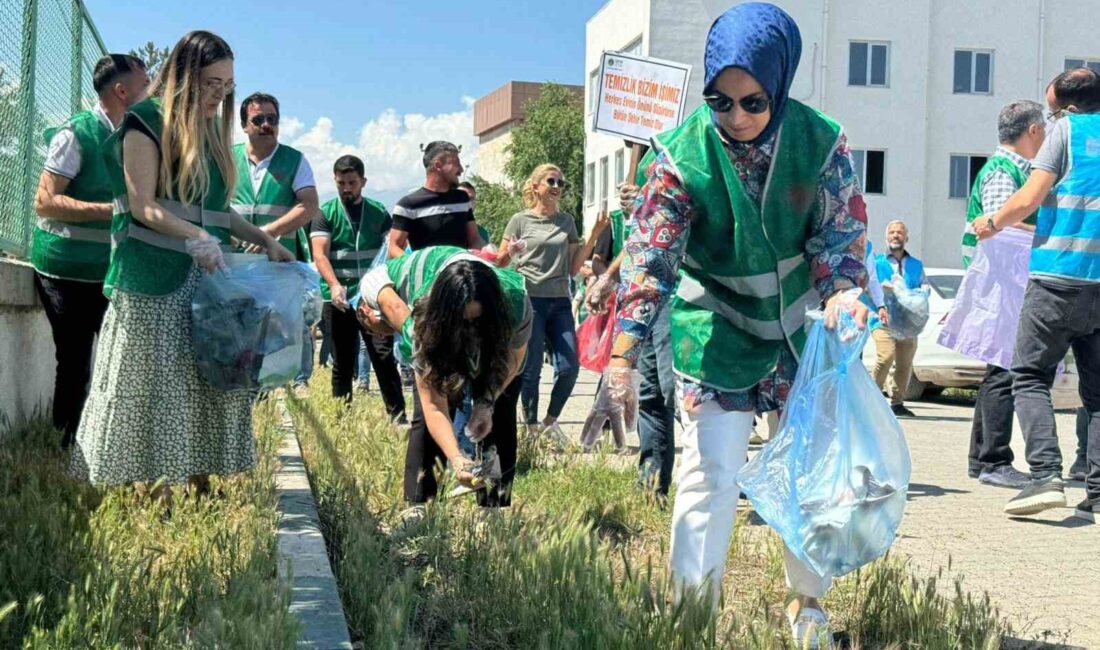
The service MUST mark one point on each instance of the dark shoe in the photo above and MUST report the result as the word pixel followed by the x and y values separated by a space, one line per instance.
pixel 973 473
pixel 1079 470
pixel 1086 510
pixel 902 412
pixel 400 419
pixel 1005 476
pixel 1039 495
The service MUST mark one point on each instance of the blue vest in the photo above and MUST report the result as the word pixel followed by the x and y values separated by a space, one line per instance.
pixel 914 270
pixel 1067 237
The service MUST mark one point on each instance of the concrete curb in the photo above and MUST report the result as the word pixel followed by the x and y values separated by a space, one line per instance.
pixel 315 598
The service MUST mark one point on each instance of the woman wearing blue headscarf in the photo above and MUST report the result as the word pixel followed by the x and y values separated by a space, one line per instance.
pixel 751 213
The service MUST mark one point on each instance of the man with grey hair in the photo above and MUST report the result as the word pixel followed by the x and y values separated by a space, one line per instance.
pixel 895 265
pixel 439 213
pixel 1020 131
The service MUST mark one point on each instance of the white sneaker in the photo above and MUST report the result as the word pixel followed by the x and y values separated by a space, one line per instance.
pixel 810 630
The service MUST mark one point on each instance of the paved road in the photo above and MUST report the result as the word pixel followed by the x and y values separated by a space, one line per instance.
pixel 1043 572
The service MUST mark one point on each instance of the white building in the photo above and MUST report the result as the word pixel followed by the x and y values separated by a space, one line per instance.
pixel 917 85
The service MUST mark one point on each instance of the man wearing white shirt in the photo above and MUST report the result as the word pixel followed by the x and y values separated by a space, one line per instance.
pixel 275 190
pixel 71 245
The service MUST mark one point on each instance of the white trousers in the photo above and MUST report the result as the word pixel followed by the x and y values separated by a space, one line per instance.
pixel 715 446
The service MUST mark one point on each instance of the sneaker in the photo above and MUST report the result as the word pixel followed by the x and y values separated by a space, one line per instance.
pixel 900 411
pixel 973 473
pixel 362 386
pixel 301 391
pixel 1079 470
pixel 400 419
pixel 1086 510
pixel 1039 495
pixel 810 630
pixel 755 439
pixel 556 436
pixel 412 517
pixel 1005 476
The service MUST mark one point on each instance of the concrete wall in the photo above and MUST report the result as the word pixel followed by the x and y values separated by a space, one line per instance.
pixel 491 157
pixel 26 347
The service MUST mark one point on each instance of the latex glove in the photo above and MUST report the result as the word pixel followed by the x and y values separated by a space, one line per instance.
pixel 461 467
pixel 339 296
pixel 628 193
pixel 512 246
pixel 480 424
pixel 846 301
pixel 206 250
pixel 622 394
pixel 599 293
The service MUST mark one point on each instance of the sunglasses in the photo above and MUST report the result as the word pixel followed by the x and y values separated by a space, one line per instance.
pixel 556 182
pixel 270 118
pixel 753 104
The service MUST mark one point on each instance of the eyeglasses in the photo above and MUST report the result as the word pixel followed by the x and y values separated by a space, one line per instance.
pixel 753 104
pixel 556 182
pixel 213 86
pixel 270 118
pixel 1054 116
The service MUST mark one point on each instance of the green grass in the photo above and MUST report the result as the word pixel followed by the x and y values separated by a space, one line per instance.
pixel 578 562
pixel 81 567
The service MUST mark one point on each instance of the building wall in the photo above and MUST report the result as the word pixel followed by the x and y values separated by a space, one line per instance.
pixel 491 157
pixel 26 348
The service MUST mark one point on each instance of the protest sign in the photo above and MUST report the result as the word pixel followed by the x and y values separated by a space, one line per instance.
pixel 639 97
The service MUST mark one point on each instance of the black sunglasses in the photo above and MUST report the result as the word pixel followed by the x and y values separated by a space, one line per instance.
pixel 270 118
pixel 556 182
pixel 753 104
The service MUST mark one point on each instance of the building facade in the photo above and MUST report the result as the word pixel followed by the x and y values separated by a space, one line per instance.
pixel 495 116
pixel 917 85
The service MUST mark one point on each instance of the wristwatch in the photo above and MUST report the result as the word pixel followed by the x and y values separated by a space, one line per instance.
pixel 989 222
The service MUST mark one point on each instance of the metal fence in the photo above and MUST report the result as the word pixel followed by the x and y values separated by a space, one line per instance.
pixel 48 49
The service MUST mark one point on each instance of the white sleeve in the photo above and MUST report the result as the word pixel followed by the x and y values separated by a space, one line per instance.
pixel 303 178
pixel 874 287
pixel 372 284
pixel 63 157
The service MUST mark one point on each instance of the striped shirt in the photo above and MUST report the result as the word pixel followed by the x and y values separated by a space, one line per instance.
pixel 434 218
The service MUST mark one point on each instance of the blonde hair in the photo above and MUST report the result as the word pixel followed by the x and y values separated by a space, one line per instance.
pixel 188 136
pixel 530 198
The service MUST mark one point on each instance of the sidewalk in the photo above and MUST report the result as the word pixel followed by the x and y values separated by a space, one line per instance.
pixel 1043 572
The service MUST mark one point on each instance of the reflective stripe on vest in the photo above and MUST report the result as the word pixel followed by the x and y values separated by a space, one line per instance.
pixel 75 233
pixel 192 213
pixel 792 320
pixel 763 285
pixel 263 209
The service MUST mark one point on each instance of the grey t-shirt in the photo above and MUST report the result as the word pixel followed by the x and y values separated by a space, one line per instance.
pixel 1053 156
pixel 546 260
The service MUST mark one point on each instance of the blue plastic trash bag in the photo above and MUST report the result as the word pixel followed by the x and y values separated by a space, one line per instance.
pixel 908 309
pixel 249 321
pixel 833 481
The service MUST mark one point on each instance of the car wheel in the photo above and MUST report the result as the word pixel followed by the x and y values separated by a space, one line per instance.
pixel 916 389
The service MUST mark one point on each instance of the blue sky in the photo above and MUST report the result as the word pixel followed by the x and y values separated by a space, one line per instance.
pixel 373 78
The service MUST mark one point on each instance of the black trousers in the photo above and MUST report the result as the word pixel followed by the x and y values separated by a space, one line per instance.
pixel 75 312
pixel 421 483
pixel 991 433
pixel 345 332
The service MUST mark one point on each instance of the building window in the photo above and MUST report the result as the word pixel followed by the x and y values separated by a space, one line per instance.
pixel 620 166
pixel 604 182
pixel 590 183
pixel 1093 64
pixel 964 171
pixel 973 72
pixel 870 165
pixel 868 64
pixel 593 89
pixel 634 47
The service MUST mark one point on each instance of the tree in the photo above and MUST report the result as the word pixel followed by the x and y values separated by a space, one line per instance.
pixel 496 204
pixel 552 132
pixel 153 57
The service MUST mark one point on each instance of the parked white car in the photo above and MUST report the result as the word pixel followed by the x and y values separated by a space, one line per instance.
pixel 936 367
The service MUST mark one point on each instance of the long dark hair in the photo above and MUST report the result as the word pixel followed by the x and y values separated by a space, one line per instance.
pixel 453 351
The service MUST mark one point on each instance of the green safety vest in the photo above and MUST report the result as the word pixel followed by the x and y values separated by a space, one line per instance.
pixel 414 273
pixel 78 251
pixel 276 194
pixel 974 205
pixel 745 283
pixel 351 253
pixel 143 260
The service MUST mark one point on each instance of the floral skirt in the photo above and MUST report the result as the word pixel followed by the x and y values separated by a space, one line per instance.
pixel 149 414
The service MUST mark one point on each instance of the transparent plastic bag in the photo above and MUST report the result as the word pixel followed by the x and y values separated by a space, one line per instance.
pixel 249 323
pixel 604 409
pixel 908 309
pixel 833 481
pixel 594 339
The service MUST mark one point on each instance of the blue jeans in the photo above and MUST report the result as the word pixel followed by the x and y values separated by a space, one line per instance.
pixel 307 359
pixel 657 407
pixel 363 372
pixel 552 322
pixel 462 416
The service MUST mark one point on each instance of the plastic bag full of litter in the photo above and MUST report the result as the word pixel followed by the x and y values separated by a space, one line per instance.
pixel 248 323
pixel 833 481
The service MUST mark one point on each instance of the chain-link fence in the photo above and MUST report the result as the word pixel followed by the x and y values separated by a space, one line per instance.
pixel 48 49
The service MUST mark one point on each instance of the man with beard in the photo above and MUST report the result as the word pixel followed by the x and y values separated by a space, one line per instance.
pixel 439 213
pixel 899 353
pixel 275 191
pixel 345 239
